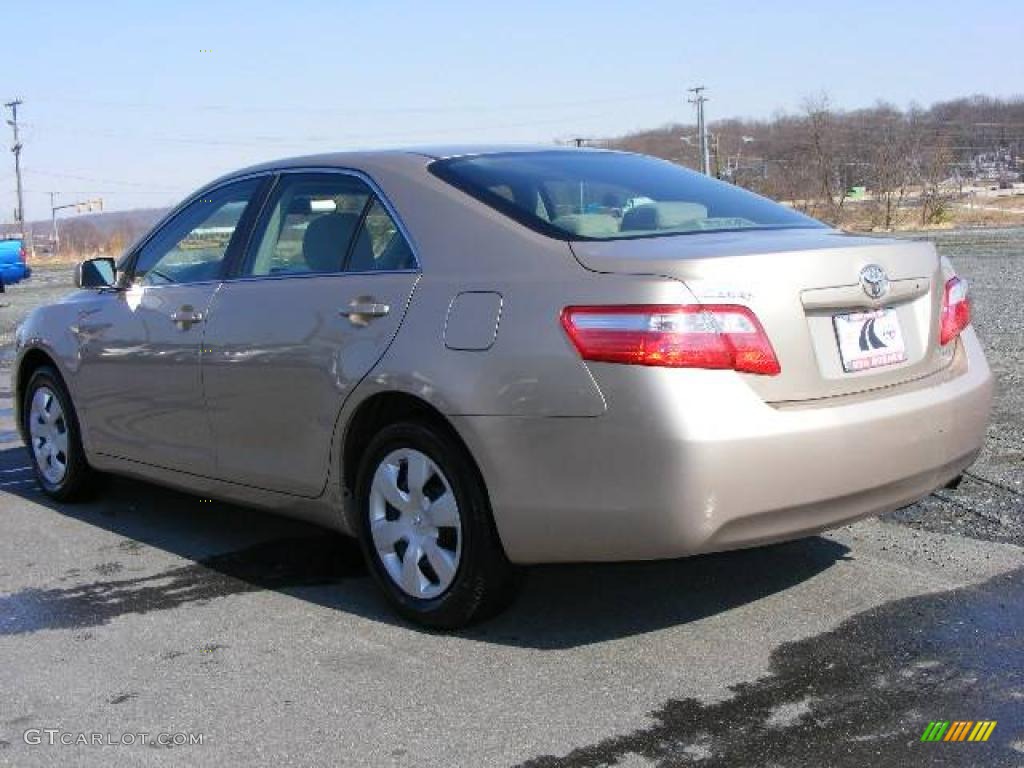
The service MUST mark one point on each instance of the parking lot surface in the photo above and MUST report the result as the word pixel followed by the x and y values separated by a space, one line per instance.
pixel 155 612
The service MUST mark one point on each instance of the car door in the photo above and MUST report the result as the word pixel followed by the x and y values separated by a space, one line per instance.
pixel 311 309
pixel 139 380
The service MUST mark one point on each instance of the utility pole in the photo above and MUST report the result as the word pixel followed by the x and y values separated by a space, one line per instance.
pixel 54 237
pixel 702 129
pixel 19 214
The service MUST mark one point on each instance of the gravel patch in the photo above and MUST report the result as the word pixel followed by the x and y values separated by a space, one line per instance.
pixel 989 504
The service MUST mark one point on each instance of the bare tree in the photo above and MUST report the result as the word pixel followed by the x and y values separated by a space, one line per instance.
pixel 811 159
pixel 81 236
pixel 825 156
pixel 890 163
pixel 937 184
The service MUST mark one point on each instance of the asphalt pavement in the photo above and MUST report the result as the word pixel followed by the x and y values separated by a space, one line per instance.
pixel 152 614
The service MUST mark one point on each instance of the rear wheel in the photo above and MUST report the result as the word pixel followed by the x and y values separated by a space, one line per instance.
pixel 54 440
pixel 427 530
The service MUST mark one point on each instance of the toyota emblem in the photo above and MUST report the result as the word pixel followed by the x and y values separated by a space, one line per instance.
pixel 874 281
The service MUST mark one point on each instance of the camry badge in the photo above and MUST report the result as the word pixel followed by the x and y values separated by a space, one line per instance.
pixel 874 281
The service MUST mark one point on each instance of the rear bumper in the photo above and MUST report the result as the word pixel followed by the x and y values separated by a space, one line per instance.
pixel 686 462
pixel 14 273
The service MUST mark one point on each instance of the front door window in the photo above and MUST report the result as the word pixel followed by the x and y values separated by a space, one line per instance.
pixel 193 246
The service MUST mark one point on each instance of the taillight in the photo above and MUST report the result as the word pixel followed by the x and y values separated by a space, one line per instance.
pixel 956 310
pixel 672 336
pixel 22 253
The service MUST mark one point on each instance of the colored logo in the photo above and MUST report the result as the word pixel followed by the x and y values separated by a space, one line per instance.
pixel 958 730
pixel 868 338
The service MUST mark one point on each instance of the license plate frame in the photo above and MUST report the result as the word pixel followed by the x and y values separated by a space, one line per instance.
pixel 869 339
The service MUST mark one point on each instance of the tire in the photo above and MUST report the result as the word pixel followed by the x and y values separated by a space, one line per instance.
pixel 55 440
pixel 473 578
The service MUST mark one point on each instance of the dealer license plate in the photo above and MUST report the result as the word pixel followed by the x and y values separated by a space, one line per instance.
pixel 869 339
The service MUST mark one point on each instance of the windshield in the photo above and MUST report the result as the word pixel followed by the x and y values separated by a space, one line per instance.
pixel 587 195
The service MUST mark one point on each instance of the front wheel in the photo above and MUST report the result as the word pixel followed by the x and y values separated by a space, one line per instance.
pixel 54 439
pixel 426 528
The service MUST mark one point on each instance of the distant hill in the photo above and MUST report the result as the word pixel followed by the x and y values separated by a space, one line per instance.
pixel 109 232
pixel 108 222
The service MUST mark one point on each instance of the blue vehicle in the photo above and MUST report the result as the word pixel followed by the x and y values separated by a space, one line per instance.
pixel 13 268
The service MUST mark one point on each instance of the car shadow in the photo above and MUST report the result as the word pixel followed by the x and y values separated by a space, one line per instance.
pixel 229 549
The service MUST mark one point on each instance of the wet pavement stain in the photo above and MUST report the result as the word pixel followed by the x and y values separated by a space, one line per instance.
pixel 270 565
pixel 861 694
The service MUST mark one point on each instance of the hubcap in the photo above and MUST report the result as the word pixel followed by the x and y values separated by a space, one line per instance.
pixel 48 429
pixel 415 523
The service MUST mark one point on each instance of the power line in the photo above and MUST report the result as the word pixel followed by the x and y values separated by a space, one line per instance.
pixel 333 140
pixel 158 106
pixel 77 177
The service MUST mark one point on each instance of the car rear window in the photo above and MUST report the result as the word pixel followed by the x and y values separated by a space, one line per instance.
pixel 598 195
pixel 10 249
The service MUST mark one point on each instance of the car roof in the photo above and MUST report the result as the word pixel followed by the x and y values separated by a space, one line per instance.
pixel 445 151
pixel 368 159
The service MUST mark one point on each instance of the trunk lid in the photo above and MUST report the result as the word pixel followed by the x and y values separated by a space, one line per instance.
pixel 796 282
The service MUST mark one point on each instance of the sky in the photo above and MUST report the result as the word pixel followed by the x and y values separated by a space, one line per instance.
pixel 142 102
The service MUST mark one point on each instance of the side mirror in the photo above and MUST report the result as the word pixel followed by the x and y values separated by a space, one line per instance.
pixel 95 273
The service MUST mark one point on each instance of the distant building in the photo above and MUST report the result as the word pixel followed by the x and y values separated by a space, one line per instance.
pixel 1000 165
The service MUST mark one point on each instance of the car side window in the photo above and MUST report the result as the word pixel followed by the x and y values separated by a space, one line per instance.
pixel 312 221
pixel 192 246
pixel 381 246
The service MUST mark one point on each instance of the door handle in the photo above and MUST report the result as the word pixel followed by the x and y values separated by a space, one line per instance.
pixel 186 317
pixel 364 309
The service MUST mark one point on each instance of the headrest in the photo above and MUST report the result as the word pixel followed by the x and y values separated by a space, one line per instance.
pixel 326 240
pixel 668 215
pixel 588 224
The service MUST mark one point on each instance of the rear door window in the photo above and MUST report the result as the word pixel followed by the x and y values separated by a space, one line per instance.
pixel 381 246
pixel 312 222
pixel 326 223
